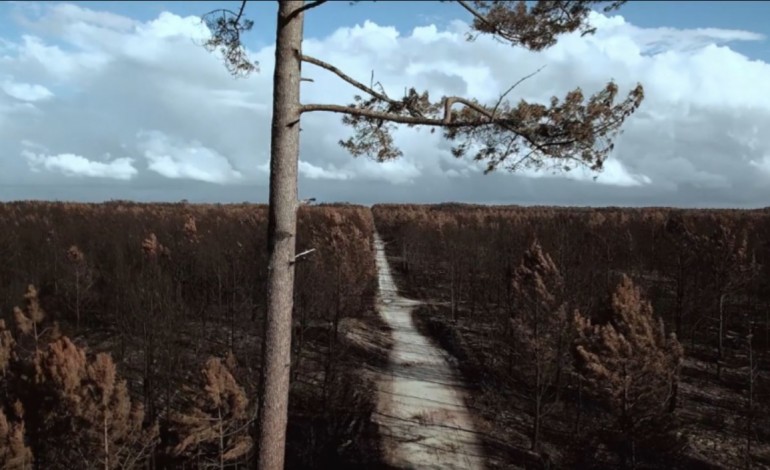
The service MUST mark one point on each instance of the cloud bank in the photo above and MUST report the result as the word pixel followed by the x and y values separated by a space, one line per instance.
pixel 83 85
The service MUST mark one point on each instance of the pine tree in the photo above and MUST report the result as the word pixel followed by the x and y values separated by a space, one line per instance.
pixel 81 283
pixel 568 132
pixel 633 367
pixel 734 267
pixel 539 332
pixel 85 396
pixel 7 344
pixel 29 321
pixel 14 453
pixel 216 426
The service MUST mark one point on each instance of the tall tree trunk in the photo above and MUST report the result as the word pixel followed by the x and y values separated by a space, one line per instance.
pixel 579 413
pixel 672 401
pixel 538 415
pixel 536 427
pixel 221 439
pixel 106 441
pixel 679 297
pixel 281 236
pixel 720 349
pixel 538 396
pixel 750 417
pixel 452 294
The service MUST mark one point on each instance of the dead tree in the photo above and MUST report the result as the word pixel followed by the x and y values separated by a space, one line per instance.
pixel 633 367
pixel 576 131
pixel 539 332
pixel 215 428
pixel 734 268
pixel 751 379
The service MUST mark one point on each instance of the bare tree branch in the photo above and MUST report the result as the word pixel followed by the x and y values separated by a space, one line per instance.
pixel 240 11
pixel 226 11
pixel 576 130
pixel 417 117
pixel 304 253
pixel 474 12
pixel 347 78
pixel 488 118
pixel 518 82
pixel 384 116
pixel 445 121
pixel 306 7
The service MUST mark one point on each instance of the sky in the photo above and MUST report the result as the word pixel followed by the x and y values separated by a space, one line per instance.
pixel 119 100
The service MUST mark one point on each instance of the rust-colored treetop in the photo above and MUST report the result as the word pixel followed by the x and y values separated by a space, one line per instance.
pixel 536 274
pixel 630 359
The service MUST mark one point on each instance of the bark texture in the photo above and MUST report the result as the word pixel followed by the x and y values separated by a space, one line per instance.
pixel 282 225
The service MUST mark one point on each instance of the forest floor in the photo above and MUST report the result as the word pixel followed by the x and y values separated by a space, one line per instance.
pixel 421 412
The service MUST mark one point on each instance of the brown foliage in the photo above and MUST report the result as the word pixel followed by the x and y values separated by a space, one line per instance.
pixel 7 344
pixel 227 27
pixel 153 249
pixel 88 394
pixel 535 27
pixel 190 229
pixel 219 417
pixel 28 320
pixel 14 453
pixel 631 364
pixel 160 320
pixel 539 331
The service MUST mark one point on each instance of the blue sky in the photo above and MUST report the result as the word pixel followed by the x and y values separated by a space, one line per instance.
pixel 745 15
pixel 405 15
pixel 116 99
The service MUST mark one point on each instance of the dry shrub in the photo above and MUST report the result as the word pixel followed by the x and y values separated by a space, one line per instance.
pixel 14 453
pixel 215 428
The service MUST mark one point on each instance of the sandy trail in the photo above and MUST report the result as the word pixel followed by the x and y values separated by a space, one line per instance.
pixel 421 412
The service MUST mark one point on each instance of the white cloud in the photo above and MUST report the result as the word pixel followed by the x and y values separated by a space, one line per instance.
pixel 169 25
pixel 58 63
pixel 616 174
pixel 25 91
pixel 313 172
pixel 179 160
pixel 75 165
pixel 698 131
pixel 763 164
pixel 613 174
pixel 399 172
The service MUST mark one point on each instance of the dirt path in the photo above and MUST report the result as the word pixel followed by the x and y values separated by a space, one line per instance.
pixel 421 411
